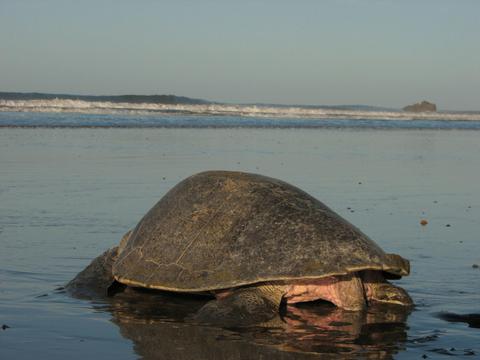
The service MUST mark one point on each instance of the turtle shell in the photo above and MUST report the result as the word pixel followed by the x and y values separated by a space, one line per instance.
pixel 221 229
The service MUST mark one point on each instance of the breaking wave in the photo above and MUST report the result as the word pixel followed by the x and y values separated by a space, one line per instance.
pixel 214 109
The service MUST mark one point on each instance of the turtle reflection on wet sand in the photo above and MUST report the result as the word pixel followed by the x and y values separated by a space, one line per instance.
pixel 252 242
pixel 155 322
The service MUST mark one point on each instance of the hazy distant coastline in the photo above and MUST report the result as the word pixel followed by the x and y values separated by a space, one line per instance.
pixel 169 99
pixel 134 99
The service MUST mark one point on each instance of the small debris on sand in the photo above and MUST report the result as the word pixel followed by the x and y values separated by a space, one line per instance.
pixel 423 222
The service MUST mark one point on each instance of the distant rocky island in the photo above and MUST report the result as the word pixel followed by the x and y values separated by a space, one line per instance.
pixel 423 106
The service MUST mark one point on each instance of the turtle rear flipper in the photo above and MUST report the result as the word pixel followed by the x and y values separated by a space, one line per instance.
pixel 96 278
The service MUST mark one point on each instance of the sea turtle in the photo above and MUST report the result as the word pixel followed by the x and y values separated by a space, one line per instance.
pixel 252 242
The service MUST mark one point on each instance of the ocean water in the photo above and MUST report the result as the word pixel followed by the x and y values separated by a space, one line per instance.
pixel 70 187
pixel 87 111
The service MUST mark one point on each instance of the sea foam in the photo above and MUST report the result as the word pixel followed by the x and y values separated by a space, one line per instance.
pixel 213 109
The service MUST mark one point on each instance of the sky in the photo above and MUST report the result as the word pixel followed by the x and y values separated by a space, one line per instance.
pixel 374 52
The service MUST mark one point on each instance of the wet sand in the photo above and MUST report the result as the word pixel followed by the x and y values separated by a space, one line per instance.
pixel 68 194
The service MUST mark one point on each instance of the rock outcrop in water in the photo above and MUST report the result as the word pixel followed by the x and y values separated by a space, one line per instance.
pixel 423 106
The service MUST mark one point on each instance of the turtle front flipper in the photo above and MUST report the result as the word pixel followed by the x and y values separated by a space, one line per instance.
pixel 243 306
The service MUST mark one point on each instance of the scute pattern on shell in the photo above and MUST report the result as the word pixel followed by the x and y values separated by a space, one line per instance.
pixel 222 229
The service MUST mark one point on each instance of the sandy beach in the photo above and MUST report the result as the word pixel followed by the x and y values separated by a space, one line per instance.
pixel 66 195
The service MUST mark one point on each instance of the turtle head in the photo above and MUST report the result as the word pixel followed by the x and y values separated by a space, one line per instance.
pixel 391 294
pixel 378 290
